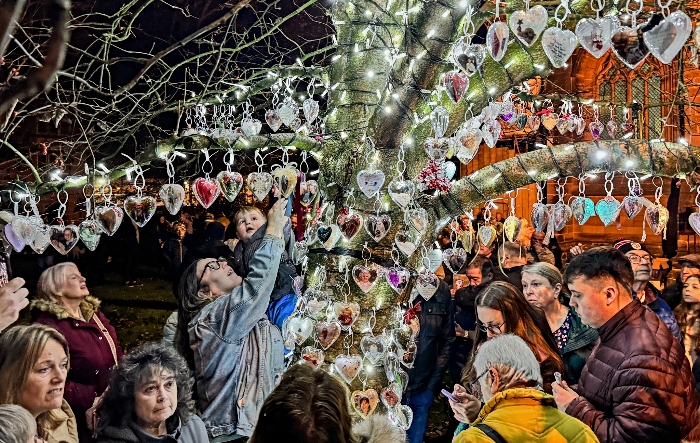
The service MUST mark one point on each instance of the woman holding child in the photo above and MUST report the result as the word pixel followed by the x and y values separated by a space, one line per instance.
pixel 226 337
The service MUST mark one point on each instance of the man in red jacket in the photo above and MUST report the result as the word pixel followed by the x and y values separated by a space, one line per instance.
pixel 637 385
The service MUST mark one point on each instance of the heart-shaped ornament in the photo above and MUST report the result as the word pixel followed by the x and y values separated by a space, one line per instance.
pixel 402 417
pixel 377 226
pixel 468 57
pixel 539 216
pixel 370 182
pixel 64 238
pixel 656 217
pixel 109 218
pixel 365 277
pixel 427 284
pixel 607 209
pixel 273 120
pixel 405 242
pixel 418 218
pixel 628 47
pixel 89 232
pixel 558 45
pixel 297 285
pixel 259 184
pixel 632 206
pixel 486 235
pixel 432 260
pixel 365 402
pixel 528 25
pixel 328 235
pixel 409 354
pixel 205 190
pixel 596 129
pixel 456 84
pixel 25 228
pixel 230 184
pixel 582 209
pixel 346 313
pixel 666 39
pixel 401 191
pixel 392 365
pixel 454 259
pixel 140 209
pixel 595 35
pixel 398 278
pixel 611 127
pixel 580 125
pixel 12 238
pixel 469 138
pixel 497 40
pixel 561 214
pixel 373 348
pixel 468 237
pixel 285 179
pixel 492 132
pixel 288 111
pixel 172 195
pixel 349 223
pixel 348 366
pixel 310 108
pixel 694 222
pixel 512 227
pixel 439 119
pixel 563 125
pixel 315 307
pixel 401 378
pixel 313 356
pixel 391 395
pixel 550 120
pixel 299 251
pixel 327 333
pixel 42 239
pixel 309 192
pixel 533 122
pixel 251 126
pixel 301 327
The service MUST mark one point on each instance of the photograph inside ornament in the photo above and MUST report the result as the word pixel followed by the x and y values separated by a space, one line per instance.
pixel 406 242
pixel 377 226
pixel 348 222
pixel 467 56
pixel 206 190
pixel 528 25
pixel 364 402
pixel 308 190
pixel 285 179
pixel 582 208
pixel 497 40
pixel 666 39
pixel 327 333
pixel 140 208
pixel 373 348
pixel 456 84
pixel 348 366
pixel 365 277
pixel 230 184
pixel 109 218
pixel 64 238
pixel 629 46
pixel 595 35
pixel 313 356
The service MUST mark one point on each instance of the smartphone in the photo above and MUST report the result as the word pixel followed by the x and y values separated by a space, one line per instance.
pixel 557 377
pixel 449 395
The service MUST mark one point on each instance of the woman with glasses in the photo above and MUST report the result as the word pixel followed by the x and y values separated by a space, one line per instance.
pixel 542 284
pixel 502 309
pixel 509 383
pixel 226 337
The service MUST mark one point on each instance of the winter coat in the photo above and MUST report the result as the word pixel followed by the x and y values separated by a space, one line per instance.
pixel 652 298
pixel 174 252
pixel 378 429
pixel 66 431
pixel 243 253
pixel 526 415
pixel 437 332
pixel 513 276
pixel 579 345
pixel 192 432
pixel 637 384
pixel 91 356
pixel 238 353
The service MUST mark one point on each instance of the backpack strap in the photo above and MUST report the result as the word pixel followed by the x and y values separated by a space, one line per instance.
pixel 491 433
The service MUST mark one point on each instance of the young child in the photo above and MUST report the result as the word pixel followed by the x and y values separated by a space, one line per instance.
pixel 250 230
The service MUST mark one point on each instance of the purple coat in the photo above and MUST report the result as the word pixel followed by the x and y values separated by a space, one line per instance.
pixel 90 354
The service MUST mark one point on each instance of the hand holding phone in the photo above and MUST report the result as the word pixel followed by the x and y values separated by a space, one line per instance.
pixel 449 395
pixel 557 377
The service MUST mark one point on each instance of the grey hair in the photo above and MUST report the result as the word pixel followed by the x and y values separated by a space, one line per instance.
pixel 16 424
pixel 546 270
pixel 511 357
pixel 51 281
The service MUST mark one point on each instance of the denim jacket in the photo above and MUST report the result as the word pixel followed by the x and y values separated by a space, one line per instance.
pixel 238 352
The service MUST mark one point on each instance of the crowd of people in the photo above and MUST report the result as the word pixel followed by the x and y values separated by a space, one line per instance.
pixel 538 350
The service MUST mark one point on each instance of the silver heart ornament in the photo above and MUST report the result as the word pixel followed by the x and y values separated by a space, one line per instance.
pixel 109 218
pixel 288 111
pixel 328 235
pixel 327 333
pixel 230 184
pixel 25 228
pixel 468 57
pixel 373 348
pixel 260 184
pixel 273 120
pixel 285 179
pixel 301 327
pixel 486 235
pixel 656 216
pixel 310 107
pixel 432 260
pixel 418 218
pixel 401 191
pixel 528 25
pixel 348 366
pixel 456 84
pixel 666 39
pixel 405 242
pixel 398 278
pixel 89 232
pixel 539 216
pixel 313 356
pixel 172 196
pixel 299 252
pixel 346 313
pixel 140 209
pixel 561 214
pixel 497 40
pixel 251 126
pixel 628 47
pixel 402 417
pixel 454 259
pixel 582 208
pixel 370 182
pixel 558 45
pixel 632 206
pixel 694 222
pixel 42 239
pixel 365 277
pixel 595 35
pixel 309 191
pixel 349 223
pixel 377 226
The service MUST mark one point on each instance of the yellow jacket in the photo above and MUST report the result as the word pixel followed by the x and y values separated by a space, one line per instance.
pixel 527 415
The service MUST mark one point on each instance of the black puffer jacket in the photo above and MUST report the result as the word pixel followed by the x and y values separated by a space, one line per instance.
pixel 579 345
pixel 637 385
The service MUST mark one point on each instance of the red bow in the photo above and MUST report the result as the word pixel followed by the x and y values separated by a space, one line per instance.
pixel 412 313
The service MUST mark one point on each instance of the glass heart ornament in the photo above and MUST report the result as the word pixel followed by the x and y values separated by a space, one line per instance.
pixel 611 127
pixel 596 129
pixel 409 354
pixel 512 227
pixel 25 228
pixel 140 209
pixel 632 205
pixel 89 232
pixel 433 259
pixel 42 239
pixel 486 235
pixel 402 417
pixel 405 242
pixel 285 179
pixel 365 277
pixel 666 39
pixel 398 278
pixel 391 395
pixel 454 259
pixel 582 208
pixel 13 239
pixel 492 132
pixel 206 190
pixel 327 333
pixel 373 348
pixel 377 226
pixel 558 45
pixel 497 40
pixel 310 108
pixel 313 356
pixel 401 192
pixel 299 251
pixel 539 217
pixel 64 238
pixel 418 218
pixel 467 56
pixel 439 119
pixel 328 235
pixel 348 366
pixel 549 120
pixel 528 25
pixel 561 214
pixel 346 313
pixel 607 208
pixel 595 35
pixel 364 402
pixel 230 184
pixel 251 126
pixel 316 307
pixel 628 47
pixel 456 84
pixel 533 121
pixel 288 111
pixel 370 182
pixel 427 284
pixel 273 120
pixel 562 125
pixel 309 191
pixel 467 142
pixel 301 327
pixel 656 216
pixel 259 183
pixel 109 218
pixel 172 195
pixel 348 222
pixel 468 237
pixel 694 222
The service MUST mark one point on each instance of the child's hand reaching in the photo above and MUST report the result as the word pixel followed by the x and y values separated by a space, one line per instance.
pixel 276 218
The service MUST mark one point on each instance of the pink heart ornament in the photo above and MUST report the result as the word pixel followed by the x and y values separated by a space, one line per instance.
pixel 327 333
pixel 313 356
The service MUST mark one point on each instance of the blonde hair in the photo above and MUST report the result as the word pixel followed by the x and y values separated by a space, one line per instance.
pixel 20 350
pixel 546 270
pixel 248 209
pixel 52 280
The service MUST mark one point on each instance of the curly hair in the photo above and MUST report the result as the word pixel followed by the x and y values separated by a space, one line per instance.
pixel 118 408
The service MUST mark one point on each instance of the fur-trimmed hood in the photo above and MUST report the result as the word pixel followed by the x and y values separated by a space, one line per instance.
pixel 378 429
pixel 89 305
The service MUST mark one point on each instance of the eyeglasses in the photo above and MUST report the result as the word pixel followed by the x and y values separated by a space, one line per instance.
pixel 475 387
pixel 493 329
pixel 637 259
pixel 213 265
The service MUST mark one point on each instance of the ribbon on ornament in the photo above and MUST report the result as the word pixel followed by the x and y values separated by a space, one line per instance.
pixel 412 313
